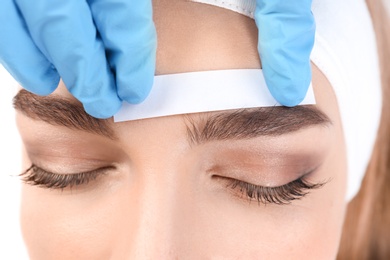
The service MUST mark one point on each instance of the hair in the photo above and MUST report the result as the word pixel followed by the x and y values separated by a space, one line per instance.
pixel 366 231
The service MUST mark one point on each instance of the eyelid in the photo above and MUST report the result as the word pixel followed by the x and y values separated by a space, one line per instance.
pixel 37 176
pixel 280 195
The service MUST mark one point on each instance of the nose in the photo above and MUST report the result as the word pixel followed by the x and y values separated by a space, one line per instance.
pixel 156 212
pixel 153 235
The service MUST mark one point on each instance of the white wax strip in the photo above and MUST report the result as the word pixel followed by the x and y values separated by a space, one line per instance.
pixel 204 91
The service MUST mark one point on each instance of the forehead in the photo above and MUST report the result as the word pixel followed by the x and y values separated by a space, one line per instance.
pixel 186 42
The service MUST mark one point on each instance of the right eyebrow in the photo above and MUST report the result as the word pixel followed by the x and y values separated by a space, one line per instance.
pixel 62 112
pixel 255 122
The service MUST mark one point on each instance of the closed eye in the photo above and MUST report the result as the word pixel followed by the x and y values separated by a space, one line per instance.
pixel 280 195
pixel 36 176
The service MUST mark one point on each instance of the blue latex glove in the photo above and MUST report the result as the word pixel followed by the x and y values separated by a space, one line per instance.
pixel 42 40
pixel 286 39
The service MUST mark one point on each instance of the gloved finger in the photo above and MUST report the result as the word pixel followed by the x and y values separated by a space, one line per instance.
pixel 129 36
pixel 286 39
pixel 64 31
pixel 20 56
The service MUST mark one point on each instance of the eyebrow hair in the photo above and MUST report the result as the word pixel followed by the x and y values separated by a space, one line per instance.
pixel 255 122
pixel 59 111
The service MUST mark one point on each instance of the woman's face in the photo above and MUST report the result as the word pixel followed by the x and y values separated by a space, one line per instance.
pixel 213 185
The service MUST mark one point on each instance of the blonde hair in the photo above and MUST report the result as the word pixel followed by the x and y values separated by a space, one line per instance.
pixel 366 233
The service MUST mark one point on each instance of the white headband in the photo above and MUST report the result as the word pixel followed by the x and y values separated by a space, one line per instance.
pixel 345 51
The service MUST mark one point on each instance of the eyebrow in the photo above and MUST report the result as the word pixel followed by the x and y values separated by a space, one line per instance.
pixel 59 111
pixel 255 122
pixel 226 125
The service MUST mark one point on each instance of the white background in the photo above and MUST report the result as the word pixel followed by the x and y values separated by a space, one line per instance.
pixel 11 243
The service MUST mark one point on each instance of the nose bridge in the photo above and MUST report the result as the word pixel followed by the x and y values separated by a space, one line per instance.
pixel 154 234
pixel 155 205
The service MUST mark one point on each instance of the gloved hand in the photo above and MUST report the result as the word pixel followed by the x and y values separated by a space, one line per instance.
pixel 104 50
pixel 286 39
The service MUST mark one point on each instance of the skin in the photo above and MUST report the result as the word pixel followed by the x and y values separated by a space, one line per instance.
pixel 161 202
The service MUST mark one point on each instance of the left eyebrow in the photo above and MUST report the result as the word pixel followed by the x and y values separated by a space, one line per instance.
pixel 254 122
pixel 61 112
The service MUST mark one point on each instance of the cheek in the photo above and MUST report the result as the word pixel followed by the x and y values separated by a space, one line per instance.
pixel 249 231
pixel 68 227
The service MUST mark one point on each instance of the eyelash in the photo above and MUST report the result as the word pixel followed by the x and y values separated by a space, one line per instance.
pixel 281 195
pixel 36 176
